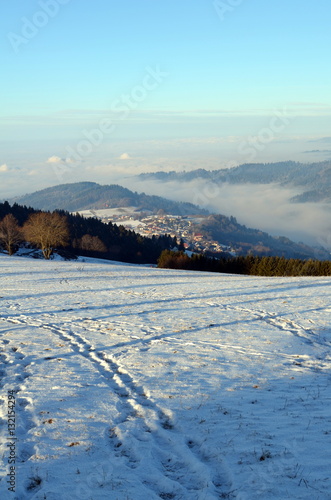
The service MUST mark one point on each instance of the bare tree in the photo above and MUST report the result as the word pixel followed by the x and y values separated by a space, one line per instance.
pixel 10 233
pixel 47 231
pixel 92 244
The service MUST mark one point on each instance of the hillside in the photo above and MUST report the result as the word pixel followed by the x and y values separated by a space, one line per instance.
pixel 313 178
pixel 247 240
pixel 134 383
pixel 90 195
pixel 219 228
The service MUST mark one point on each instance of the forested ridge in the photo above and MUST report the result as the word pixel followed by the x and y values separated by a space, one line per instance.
pixel 91 237
pixel 313 178
pixel 86 195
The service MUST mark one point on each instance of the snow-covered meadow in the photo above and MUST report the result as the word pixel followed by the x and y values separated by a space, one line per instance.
pixel 136 383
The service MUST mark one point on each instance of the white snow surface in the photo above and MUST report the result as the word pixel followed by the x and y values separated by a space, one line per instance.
pixel 136 383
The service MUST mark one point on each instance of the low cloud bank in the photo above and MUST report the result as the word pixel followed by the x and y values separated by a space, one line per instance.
pixel 265 207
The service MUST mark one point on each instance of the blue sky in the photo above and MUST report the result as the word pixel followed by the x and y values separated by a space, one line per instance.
pixel 226 68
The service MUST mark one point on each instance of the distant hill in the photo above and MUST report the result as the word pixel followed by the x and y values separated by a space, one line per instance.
pixel 90 195
pixel 248 241
pixel 314 178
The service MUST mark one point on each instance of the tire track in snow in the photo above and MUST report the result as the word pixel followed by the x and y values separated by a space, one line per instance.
pixel 144 430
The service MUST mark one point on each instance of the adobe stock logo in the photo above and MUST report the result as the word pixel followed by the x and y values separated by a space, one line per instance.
pixel 120 110
pixel 250 149
pixel 31 27
pixel 266 135
pixel 222 8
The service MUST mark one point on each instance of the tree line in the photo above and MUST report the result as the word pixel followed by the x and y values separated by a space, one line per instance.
pixel 249 265
pixel 72 234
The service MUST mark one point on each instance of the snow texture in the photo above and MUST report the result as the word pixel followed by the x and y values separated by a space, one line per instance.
pixel 136 383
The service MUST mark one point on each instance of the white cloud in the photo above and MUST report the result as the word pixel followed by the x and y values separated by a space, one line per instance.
pixel 4 168
pixel 55 159
pixel 125 156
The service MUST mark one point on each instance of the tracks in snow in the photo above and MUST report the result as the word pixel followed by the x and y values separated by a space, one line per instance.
pixel 144 437
pixel 281 323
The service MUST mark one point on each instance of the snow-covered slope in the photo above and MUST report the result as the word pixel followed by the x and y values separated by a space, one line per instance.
pixel 136 383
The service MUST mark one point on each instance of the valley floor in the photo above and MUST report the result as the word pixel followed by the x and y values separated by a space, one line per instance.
pixel 133 383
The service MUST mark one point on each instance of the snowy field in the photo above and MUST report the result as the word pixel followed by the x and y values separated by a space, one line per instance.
pixel 135 383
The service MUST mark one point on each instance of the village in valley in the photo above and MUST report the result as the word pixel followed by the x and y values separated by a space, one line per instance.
pixel 183 227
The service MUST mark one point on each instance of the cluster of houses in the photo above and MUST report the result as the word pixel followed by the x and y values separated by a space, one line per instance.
pixel 183 227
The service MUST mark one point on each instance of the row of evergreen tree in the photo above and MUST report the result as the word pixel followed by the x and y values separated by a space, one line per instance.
pixel 91 237
pixel 249 265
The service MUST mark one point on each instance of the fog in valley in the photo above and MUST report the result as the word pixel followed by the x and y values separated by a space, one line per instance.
pixel 266 207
